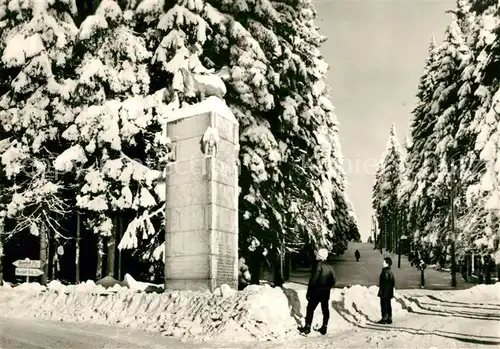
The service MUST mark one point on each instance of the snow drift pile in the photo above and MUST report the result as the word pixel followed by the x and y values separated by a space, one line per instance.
pixel 260 313
pixel 361 304
pixel 484 293
pixel 483 296
pixel 257 313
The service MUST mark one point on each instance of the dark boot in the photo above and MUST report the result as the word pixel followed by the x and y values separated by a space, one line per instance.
pixel 322 330
pixel 382 321
pixel 305 330
pixel 388 321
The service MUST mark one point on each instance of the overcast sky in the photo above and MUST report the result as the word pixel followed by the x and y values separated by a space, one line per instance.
pixel 376 52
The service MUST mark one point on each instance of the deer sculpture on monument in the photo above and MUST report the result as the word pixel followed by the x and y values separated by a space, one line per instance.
pixel 202 83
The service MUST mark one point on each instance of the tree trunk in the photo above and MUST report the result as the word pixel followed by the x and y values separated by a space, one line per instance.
pixel 288 266
pixel 44 254
pixel 100 254
pixel 487 272
pixel 395 233
pixel 111 250
pixel 255 266
pixel 403 225
pixel 394 227
pixel 120 232
pixel 278 276
pixel 278 267
pixel 468 260
pixel 380 236
pixel 391 239
pixel 388 235
pixel 480 267
pixel 54 260
pixel 1 257
pixel 77 249
pixel 397 230
pixel 413 228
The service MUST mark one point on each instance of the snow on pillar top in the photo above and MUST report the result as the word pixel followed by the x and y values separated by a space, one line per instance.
pixel 211 104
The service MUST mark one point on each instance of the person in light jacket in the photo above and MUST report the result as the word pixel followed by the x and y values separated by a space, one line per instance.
pixel 318 292
pixel 386 291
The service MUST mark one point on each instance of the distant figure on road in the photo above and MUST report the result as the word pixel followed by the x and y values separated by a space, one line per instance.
pixel 243 274
pixel 386 291
pixel 463 268
pixel 318 291
pixel 357 255
pixel 421 267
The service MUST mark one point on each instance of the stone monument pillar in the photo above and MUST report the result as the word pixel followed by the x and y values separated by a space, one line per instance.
pixel 201 233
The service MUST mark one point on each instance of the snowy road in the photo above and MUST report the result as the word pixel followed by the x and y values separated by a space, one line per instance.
pixel 366 272
pixel 37 334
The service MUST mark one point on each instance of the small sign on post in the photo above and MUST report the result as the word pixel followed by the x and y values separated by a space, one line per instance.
pixel 28 267
pixel 28 263
pixel 28 272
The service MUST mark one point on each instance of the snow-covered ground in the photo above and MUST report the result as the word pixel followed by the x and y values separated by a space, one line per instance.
pixel 263 313
pixel 257 313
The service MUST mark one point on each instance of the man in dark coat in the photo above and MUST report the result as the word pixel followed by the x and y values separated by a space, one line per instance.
pixel 357 255
pixel 386 291
pixel 318 292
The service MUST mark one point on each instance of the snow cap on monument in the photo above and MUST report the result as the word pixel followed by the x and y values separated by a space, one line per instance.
pixel 212 104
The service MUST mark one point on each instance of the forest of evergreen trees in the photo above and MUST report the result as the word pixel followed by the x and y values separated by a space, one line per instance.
pixel 443 188
pixel 86 88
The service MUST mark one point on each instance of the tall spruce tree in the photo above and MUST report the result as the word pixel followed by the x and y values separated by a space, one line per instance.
pixel 481 233
pixel 35 47
pixel 422 125
pixel 455 122
pixel 116 145
pixel 386 188
pixel 442 152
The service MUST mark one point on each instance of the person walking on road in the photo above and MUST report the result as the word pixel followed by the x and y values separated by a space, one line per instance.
pixel 357 255
pixel 386 291
pixel 318 292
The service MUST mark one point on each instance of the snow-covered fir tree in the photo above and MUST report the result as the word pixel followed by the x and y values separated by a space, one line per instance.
pixel 35 48
pixel 376 197
pixel 386 188
pixel 353 224
pixel 423 161
pixel 482 224
pixel 404 190
pixel 90 102
pixel 441 153
pixel 117 143
pixel 454 132
pixel 422 125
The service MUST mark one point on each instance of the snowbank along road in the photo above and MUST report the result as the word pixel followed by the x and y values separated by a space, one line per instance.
pixel 426 319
